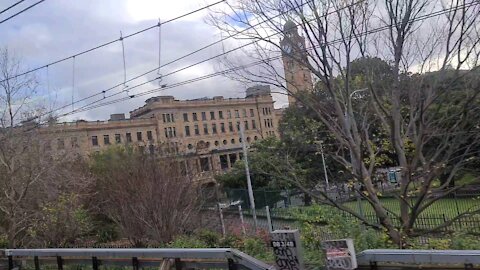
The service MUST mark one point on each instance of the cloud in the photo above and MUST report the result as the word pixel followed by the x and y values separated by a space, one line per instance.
pixel 56 29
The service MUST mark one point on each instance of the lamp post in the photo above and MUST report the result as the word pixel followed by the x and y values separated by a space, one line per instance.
pixel 324 166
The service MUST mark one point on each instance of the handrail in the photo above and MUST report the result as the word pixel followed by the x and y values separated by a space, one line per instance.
pixel 233 257
pixel 415 256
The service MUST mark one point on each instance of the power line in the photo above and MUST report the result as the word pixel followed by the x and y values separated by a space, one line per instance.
pixel 21 11
pixel 8 8
pixel 379 29
pixel 103 92
pixel 110 42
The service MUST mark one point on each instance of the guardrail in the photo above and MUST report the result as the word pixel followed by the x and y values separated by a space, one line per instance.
pixel 163 258
pixel 379 258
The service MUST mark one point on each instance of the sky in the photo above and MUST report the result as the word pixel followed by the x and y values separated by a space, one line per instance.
pixel 56 29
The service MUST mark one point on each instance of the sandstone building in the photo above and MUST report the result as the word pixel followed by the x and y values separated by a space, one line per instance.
pixel 203 133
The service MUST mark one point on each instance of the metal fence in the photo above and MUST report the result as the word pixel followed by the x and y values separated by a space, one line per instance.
pixel 286 206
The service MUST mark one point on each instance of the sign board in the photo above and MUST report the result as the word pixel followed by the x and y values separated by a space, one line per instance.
pixel 287 249
pixel 340 254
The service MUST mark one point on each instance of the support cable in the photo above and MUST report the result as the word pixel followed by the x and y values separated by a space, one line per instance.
pixel 20 12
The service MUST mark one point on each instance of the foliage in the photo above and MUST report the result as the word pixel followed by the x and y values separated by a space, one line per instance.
pixel 337 227
pixel 61 222
pixel 144 195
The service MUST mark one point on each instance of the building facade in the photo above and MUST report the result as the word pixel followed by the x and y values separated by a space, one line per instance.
pixel 203 133
pixel 294 55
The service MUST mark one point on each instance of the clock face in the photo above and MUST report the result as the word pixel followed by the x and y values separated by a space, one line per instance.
pixel 287 48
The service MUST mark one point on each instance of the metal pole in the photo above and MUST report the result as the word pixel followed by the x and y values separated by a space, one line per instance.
pixel 324 166
pixel 241 219
pixel 269 219
pixel 247 172
pixel 221 220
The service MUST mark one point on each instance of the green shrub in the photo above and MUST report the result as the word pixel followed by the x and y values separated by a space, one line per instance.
pixel 187 242
pixel 210 238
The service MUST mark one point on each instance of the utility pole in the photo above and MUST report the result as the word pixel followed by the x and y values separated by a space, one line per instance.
pixel 247 172
pixel 324 166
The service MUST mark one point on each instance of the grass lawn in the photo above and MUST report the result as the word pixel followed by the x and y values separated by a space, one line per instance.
pixel 447 208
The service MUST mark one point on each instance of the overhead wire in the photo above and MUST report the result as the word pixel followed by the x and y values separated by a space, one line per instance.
pixel 103 92
pixel 12 6
pixel 379 29
pixel 20 12
pixel 111 42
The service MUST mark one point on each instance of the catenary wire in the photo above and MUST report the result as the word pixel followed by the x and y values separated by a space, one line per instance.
pixel 103 92
pixel 113 41
pixel 379 29
pixel 8 8
pixel 21 11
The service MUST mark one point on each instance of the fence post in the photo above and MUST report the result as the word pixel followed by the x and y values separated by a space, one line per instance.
pixel 456 202
pixel 269 220
pixel 221 220
pixel 241 219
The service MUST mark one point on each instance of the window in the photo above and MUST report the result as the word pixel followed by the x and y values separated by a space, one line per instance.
pixel 244 112
pixel 106 139
pixel 255 138
pixel 224 142
pixel 220 114
pixel 230 126
pixel 204 164
pixel 197 131
pixel 217 143
pixel 204 116
pixel 246 125
pixel 118 139
pixel 60 144
pixel 190 146
pixel 248 139
pixel 170 132
pixel 139 136
pixel 214 128
pixel 232 141
pixel 194 115
pixel 222 127
pixel 238 126
pixel 271 123
pixel 229 114
pixel 187 131
pixel 254 125
pixel 205 128
pixel 237 114
pixel 233 158
pixel 168 117
pixel 166 132
pixel 129 137
pixel 74 142
pixel 223 162
pixel 252 113
pixel 185 117
pixel 212 115
pixel 174 132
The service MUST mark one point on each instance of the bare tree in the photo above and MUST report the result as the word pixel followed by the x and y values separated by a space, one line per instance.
pixel 144 195
pixel 431 136
pixel 32 177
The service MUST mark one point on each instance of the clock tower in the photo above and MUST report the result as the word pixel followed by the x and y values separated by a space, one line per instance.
pixel 294 56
